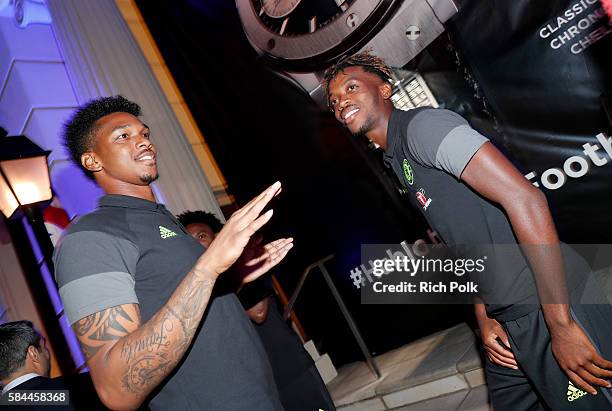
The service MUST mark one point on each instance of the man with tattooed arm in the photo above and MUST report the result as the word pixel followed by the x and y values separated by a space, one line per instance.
pixel 140 292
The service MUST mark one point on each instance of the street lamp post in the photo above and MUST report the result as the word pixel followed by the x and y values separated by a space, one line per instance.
pixel 24 188
pixel 24 174
pixel 25 185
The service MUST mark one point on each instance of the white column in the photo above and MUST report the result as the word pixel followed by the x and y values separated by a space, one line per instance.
pixel 102 58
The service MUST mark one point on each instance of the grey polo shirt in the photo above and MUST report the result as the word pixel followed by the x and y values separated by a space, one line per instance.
pixel 131 250
pixel 428 149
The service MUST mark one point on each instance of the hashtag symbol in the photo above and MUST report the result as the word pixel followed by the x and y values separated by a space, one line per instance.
pixel 357 277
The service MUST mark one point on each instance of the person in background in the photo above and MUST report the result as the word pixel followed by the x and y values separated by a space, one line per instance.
pixel 202 225
pixel 24 356
pixel 25 364
pixel 299 384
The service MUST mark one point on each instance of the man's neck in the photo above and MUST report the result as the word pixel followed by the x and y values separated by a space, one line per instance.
pixel 145 192
pixel 378 134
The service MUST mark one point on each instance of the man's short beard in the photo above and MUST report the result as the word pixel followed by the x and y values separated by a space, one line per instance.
pixel 365 128
pixel 148 178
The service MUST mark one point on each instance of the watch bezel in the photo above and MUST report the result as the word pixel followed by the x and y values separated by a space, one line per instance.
pixel 281 15
pixel 314 51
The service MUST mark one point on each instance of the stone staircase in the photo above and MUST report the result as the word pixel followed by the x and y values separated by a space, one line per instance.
pixel 324 364
pixel 440 372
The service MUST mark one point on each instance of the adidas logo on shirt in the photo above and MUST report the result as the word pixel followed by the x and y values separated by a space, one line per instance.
pixel 573 392
pixel 165 233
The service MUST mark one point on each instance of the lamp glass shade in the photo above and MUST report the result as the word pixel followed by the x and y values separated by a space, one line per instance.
pixel 8 202
pixel 29 178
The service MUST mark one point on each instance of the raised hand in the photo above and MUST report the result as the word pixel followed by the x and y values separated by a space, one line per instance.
pixel 258 260
pixel 230 242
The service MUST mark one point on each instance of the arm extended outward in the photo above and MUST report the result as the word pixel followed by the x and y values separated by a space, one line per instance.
pixel 127 358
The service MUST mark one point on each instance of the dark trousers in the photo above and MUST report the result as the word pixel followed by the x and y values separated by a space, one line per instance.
pixel 540 384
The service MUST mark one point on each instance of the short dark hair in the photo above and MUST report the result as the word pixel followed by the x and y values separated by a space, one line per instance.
pixel 79 130
pixel 15 338
pixel 203 217
pixel 367 61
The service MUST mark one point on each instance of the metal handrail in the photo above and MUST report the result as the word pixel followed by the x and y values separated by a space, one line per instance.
pixel 345 312
pixel 298 289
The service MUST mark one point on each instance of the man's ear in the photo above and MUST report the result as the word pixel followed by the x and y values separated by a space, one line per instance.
pixel 90 162
pixel 385 90
pixel 33 354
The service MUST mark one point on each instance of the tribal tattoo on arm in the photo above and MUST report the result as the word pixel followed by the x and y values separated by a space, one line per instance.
pixel 97 329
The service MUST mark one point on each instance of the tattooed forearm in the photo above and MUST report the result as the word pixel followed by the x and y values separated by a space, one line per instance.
pixel 145 370
pixel 179 319
pixel 127 358
pixel 188 304
pixel 152 357
pixel 155 341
